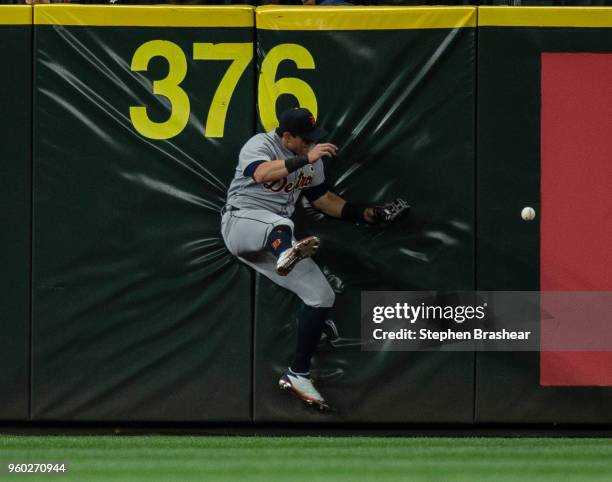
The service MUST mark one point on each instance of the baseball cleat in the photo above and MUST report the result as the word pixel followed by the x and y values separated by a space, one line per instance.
pixel 302 386
pixel 305 248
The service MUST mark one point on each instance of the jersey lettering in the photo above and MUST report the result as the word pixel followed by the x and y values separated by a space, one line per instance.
pixel 302 182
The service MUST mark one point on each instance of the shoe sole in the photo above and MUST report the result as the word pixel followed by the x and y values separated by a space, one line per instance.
pixel 322 406
pixel 304 248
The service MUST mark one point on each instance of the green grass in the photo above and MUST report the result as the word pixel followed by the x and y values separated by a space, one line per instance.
pixel 311 459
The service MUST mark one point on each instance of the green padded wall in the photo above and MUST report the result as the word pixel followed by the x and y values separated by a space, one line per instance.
pixel 15 200
pixel 395 89
pixel 139 313
pixel 510 45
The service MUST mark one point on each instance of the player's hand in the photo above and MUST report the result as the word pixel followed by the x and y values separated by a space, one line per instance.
pixel 387 213
pixel 320 150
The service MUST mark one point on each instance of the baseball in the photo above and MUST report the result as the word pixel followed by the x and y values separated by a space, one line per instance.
pixel 528 214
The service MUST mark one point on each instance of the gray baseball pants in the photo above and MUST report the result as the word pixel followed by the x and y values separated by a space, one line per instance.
pixel 246 231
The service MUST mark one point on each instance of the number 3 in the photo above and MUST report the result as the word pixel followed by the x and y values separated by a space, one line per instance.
pixel 168 87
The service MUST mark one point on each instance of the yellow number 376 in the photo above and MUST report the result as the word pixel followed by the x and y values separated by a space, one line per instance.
pixel 241 55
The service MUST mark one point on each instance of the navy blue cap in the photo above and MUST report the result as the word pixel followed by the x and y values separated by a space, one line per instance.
pixel 300 122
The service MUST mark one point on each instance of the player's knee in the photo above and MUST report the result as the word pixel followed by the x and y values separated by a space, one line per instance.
pixel 285 224
pixel 325 297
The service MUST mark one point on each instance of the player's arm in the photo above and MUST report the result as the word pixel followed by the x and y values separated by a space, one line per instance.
pixel 333 205
pixel 266 171
pixel 270 171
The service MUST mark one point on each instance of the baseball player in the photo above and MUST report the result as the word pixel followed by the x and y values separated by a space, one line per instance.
pixel 273 169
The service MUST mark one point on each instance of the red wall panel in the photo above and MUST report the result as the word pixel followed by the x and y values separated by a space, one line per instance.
pixel 576 196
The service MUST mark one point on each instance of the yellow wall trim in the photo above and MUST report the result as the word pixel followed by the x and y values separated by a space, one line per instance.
pixel 363 18
pixel 545 17
pixel 144 16
pixel 15 15
pixel 306 17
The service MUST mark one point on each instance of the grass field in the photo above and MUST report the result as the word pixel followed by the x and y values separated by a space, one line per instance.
pixel 219 459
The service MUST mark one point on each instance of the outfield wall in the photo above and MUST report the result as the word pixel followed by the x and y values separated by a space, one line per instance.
pixel 15 198
pixel 545 117
pixel 121 130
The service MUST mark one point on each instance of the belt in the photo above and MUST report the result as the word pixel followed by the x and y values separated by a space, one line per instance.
pixel 227 208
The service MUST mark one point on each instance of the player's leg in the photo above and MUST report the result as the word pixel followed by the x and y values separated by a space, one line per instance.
pixel 288 251
pixel 247 232
pixel 308 282
pixel 258 238
pixel 311 321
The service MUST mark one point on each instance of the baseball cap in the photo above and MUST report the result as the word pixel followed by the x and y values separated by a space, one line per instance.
pixel 300 122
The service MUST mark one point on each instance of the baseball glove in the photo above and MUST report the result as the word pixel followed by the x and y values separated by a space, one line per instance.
pixel 390 211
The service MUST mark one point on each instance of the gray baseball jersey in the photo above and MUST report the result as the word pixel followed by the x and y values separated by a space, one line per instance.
pixel 277 197
pixel 256 209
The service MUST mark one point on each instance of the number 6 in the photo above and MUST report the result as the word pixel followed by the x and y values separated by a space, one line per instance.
pixel 270 89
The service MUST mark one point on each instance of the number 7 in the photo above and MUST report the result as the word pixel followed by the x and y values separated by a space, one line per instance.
pixel 241 54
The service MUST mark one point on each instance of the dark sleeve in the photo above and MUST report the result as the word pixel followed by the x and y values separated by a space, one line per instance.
pixel 249 171
pixel 314 193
